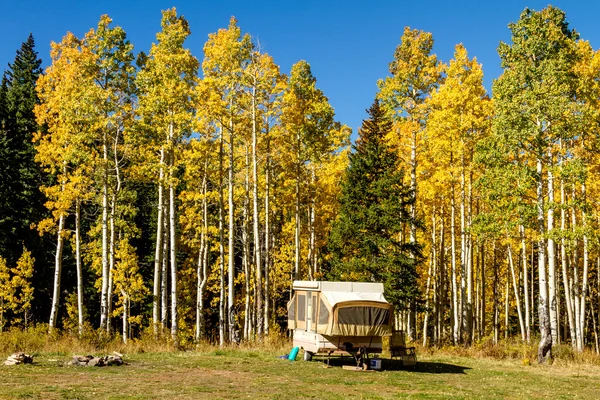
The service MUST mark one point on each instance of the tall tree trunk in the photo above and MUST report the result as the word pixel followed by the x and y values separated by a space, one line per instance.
pixel 483 284
pixel 442 274
pixel 463 255
pixel 432 261
pixel 455 306
pixel 221 244
pixel 516 292
pixel 105 266
pixel 158 248
pixel 57 268
pixel 256 222
pixel 202 269
pixel 506 308
pixel 297 217
pixel 576 300
pixel 231 230
pixel 495 294
pixel 564 260
pixel 172 242
pixel 552 258
pixel 267 232
pixel 111 263
pixel 164 292
pixel 125 315
pixel 413 223
pixel 248 326
pixel 79 267
pixel 584 283
pixel 525 283
pixel 545 346
pixel 469 253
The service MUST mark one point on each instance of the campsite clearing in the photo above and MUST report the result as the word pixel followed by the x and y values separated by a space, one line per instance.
pixel 255 374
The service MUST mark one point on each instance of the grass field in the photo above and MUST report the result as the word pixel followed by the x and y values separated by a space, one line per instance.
pixel 235 374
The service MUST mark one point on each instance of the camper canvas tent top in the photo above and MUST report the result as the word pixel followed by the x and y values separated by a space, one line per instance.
pixel 330 316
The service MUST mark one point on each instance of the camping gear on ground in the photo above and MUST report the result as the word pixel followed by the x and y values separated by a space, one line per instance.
pixel 375 363
pixel 339 318
pixel 398 349
pixel 293 354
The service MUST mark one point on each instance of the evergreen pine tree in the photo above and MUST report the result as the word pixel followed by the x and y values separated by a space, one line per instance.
pixel 22 202
pixel 375 206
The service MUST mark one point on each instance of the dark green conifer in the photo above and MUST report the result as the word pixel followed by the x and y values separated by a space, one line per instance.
pixel 22 202
pixel 365 241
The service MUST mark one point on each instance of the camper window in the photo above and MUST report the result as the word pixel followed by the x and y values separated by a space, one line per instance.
pixel 372 316
pixel 301 307
pixel 323 314
pixel 292 309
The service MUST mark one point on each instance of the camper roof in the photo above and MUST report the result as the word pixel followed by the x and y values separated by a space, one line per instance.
pixel 341 292
pixel 346 287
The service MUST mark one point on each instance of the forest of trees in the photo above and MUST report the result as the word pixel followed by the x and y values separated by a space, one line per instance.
pixel 159 192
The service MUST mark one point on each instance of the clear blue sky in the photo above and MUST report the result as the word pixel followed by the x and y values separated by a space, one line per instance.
pixel 348 43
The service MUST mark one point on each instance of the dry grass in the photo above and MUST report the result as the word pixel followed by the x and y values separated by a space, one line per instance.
pixel 255 371
pixel 250 373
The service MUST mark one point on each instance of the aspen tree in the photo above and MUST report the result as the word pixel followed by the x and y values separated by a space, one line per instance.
pixel 458 119
pixel 415 73
pixel 226 54
pixel 166 85
pixel 68 100
pixel 529 117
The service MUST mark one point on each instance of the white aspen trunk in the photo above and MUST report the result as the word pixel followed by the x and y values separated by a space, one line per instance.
pixel 172 239
pixel 297 216
pixel 413 224
pixel 463 254
pixel 469 253
pixel 248 326
pixel 597 347
pixel 113 216
pixel 57 274
pixel 442 274
pixel 495 293
pixel 256 222
pixel 221 245
pixel 202 259
pixel 506 308
pixel 431 266
pixel 545 346
pixel 552 258
pixel 563 258
pixel 125 316
pixel 111 264
pixel 311 225
pixel 158 248
pixel 525 283
pixel 584 283
pixel 482 313
pixel 267 235
pixel 231 230
pixel 455 307
pixel 164 315
pixel 516 292
pixel 78 267
pixel 57 267
pixel 105 266
pixel 576 300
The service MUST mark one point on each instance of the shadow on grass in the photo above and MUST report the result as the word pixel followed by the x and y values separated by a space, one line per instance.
pixel 430 368
pixel 396 365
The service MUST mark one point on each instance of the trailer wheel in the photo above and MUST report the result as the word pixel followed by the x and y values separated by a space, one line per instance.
pixel 308 355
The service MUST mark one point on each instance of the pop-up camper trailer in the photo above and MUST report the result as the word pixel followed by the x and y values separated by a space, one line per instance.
pixel 328 317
